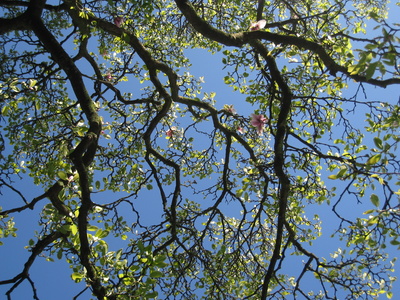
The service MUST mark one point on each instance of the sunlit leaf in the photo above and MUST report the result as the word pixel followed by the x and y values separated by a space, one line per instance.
pixel 374 159
pixel 77 277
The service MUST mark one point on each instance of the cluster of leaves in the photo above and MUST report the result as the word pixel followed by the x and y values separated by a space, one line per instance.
pixel 153 188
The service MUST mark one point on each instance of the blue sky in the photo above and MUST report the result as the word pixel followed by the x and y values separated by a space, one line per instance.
pixel 52 279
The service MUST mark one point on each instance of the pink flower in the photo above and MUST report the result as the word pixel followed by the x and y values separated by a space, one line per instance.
pixel 258 25
pixel 108 77
pixel 258 121
pixel 230 109
pixel 240 130
pixel 118 21
pixel 170 132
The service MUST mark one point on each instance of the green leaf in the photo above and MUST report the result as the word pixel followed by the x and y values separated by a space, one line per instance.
pixel 374 159
pixel 77 277
pixel 151 295
pixel 92 228
pixel 62 175
pixel 32 83
pixel 375 200
pixel 353 70
pixel 341 172
pixel 65 228
pixel 372 220
pixel 140 246
pixel 378 142
pixel 371 70
pixel 74 229
pixel 59 253
pixel 102 233
pixel 156 274
pixel 374 15
pixel 5 110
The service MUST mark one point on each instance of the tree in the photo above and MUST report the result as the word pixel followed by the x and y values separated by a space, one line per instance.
pixel 154 188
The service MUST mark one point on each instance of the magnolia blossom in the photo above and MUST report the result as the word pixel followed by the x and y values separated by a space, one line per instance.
pixel 258 121
pixel 118 21
pixel 108 77
pixel 240 130
pixel 258 25
pixel 230 109
pixel 170 132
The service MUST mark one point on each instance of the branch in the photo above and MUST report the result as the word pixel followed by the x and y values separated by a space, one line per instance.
pixel 279 161
pixel 52 193
pixel 152 64
pixel 88 145
pixel 242 38
pixel 36 250
pixel 2 182
pixel 206 29
pixel 320 51
pixel 21 22
pixel 260 9
pixel 84 153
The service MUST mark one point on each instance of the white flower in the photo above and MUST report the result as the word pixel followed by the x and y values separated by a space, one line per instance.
pixel 258 25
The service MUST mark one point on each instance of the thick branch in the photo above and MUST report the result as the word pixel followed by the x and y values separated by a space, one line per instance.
pixel 279 161
pixel 206 29
pixel 84 153
pixel 242 38
pixel 260 9
pixel 318 50
pixel 52 194
pixel 88 145
pixel 21 22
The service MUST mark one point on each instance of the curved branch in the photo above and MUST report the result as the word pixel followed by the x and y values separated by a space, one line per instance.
pixel 83 154
pixel 2 182
pixel 21 22
pixel 36 250
pixel 52 193
pixel 242 38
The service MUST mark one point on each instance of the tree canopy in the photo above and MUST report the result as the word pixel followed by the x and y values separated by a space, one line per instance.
pixel 149 184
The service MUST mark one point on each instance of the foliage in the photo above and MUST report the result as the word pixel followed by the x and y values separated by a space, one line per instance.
pixel 156 187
